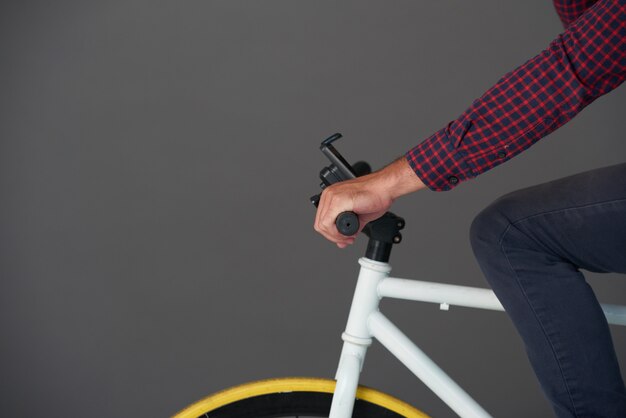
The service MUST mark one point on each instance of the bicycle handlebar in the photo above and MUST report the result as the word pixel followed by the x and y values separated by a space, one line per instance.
pixel 347 223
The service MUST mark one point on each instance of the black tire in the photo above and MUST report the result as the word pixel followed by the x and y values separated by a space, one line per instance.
pixel 294 404
pixel 294 397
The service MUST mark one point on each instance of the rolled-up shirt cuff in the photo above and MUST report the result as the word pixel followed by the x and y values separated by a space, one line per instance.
pixel 438 163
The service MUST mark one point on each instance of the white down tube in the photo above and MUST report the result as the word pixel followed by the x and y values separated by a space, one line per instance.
pixel 424 368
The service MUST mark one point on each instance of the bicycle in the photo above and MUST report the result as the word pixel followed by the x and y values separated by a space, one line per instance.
pixel 343 397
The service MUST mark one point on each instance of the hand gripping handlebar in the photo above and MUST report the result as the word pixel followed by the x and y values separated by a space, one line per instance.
pixel 339 170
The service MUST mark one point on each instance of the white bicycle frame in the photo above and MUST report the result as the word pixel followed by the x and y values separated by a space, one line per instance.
pixel 366 322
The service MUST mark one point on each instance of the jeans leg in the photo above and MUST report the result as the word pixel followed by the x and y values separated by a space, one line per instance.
pixel 531 245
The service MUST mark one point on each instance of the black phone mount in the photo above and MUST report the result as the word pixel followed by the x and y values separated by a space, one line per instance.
pixel 384 231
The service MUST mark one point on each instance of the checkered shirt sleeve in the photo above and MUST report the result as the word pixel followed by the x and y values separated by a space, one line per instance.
pixel 570 10
pixel 580 65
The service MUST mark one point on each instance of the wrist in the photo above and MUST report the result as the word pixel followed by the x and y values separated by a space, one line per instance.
pixel 399 179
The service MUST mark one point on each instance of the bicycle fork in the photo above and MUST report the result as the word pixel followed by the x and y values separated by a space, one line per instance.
pixel 366 322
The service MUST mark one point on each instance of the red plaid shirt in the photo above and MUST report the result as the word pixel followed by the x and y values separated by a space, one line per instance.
pixel 580 65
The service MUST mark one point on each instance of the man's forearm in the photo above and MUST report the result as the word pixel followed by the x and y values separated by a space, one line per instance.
pixel 400 179
pixel 580 65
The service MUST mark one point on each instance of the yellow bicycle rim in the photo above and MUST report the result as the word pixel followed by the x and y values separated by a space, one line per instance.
pixel 294 384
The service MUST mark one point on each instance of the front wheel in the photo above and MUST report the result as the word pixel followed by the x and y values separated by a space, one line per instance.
pixel 294 397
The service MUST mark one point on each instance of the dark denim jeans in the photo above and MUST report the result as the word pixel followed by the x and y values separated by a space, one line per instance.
pixel 531 245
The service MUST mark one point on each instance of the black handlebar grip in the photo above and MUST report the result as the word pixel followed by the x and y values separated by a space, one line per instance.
pixel 347 223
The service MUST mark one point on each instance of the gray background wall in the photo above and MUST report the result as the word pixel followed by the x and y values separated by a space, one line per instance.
pixel 156 160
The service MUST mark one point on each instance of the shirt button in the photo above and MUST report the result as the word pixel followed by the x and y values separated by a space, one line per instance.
pixel 453 180
pixel 501 154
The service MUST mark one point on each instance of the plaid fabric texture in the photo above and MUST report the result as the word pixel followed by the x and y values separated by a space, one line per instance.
pixel 580 65
pixel 570 10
